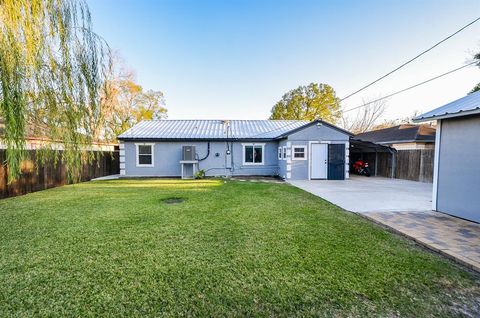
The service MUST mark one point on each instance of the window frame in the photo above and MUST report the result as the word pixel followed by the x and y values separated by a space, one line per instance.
pixel 137 154
pixel 280 153
pixel 304 152
pixel 244 145
pixel 284 152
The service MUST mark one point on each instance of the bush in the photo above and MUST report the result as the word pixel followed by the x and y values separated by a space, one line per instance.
pixel 200 174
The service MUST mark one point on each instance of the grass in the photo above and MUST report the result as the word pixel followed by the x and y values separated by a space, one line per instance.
pixel 116 248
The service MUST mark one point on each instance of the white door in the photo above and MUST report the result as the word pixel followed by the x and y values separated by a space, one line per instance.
pixel 318 163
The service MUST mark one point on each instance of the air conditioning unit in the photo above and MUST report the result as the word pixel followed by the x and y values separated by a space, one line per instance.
pixel 188 153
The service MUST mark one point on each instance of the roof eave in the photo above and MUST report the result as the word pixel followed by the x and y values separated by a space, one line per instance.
pixel 420 119
pixel 140 139
pixel 314 122
pixel 370 144
pixel 403 141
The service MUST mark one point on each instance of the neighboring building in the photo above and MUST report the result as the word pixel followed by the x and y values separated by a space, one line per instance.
pixel 402 137
pixel 286 148
pixel 456 178
pixel 35 142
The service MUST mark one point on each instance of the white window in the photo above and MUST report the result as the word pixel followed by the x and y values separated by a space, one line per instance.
pixel 284 153
pixel 253 154
pixel 280 152
pixel 144 155
pixel 299 153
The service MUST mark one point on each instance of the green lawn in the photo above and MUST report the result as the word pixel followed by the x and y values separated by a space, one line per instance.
pixel 230 249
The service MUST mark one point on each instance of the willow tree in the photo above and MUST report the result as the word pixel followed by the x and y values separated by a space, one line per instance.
pixel 52 67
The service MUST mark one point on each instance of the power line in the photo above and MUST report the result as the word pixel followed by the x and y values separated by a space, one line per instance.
pixel 410 87
pixel 412 59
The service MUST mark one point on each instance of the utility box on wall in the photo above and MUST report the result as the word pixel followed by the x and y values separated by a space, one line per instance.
pixel 188 153
pixel 228 160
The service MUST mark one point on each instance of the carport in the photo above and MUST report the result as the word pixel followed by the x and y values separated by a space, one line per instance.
pixel 380 158
pixel 372 194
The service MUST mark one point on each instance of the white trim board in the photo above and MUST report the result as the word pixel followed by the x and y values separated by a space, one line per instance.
pixel 253 163
pixel 137 163
pixel 304 147
pixel 436 165
pixel 310 156
pixel 347 160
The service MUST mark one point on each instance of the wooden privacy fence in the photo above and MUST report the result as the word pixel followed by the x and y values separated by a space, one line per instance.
pixel 415 165
pixel 50 175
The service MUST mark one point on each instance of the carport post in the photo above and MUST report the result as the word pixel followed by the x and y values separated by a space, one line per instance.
pixel 376 161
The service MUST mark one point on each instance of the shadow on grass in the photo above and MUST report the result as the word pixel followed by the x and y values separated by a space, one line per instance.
pixel 171 184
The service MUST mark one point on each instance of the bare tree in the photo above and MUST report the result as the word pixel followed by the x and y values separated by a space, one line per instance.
pixel 366 118
pixel 477 87
pixel 400 121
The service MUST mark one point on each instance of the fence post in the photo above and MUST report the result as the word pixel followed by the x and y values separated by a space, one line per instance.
pixel 394 164
pixel 421 174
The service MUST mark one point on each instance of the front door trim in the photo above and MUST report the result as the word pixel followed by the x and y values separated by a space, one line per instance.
pixel 310 156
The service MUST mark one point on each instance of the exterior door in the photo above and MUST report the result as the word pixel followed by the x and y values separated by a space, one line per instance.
pixel 336 162
pixel 318 163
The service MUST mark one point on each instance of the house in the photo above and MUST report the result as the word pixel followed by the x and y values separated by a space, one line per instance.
pixel 402 137
pixel 289 149
pixel 456 177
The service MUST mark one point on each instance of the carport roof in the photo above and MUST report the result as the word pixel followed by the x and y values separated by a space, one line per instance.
pixel 365 146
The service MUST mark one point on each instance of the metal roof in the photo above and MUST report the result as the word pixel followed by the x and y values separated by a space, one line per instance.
pixel 211 129
pixel 357 145
pixel 464 106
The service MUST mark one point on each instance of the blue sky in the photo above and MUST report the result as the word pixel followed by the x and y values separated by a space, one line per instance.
pixel 235 59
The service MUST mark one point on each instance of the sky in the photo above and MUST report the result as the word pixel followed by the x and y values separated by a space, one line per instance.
pixel 235 59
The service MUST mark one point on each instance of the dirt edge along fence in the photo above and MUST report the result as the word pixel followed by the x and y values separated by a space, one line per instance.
pixel 49 175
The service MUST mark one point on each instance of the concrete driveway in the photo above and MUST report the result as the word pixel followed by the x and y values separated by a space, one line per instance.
pixel 374 194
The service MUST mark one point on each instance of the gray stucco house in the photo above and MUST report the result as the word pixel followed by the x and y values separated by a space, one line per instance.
pixel 289 149
pixel 456 176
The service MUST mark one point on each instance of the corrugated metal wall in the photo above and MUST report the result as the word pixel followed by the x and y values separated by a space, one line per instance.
pixel 459 168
